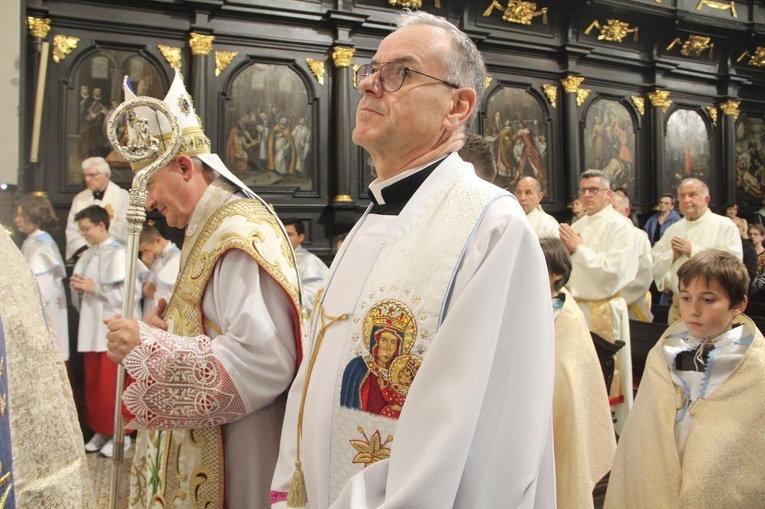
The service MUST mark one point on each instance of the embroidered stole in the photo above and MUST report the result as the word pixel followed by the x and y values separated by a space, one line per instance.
pixel 393 324
pixel 184 468
pixel 7 497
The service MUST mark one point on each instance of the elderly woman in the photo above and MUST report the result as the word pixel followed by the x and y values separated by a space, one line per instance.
pixel 35 217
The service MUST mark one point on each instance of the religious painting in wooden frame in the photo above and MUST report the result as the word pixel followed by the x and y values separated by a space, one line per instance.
pixel 609 142
pixel 750 162
pixel 96 90
pixel 517 127
pixel 268 128
pixel 687 149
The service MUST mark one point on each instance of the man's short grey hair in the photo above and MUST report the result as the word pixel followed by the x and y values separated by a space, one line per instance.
pixel 704 186
pixel 465 65
pixel 623 198
pixel 100 163
pixel 605 180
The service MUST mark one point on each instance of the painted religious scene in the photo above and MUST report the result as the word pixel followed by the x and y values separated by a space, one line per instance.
pixel 518 132
pixel 268 128
pixel 96 92
pixel 687 149
pixel 750 168
pixel 609 142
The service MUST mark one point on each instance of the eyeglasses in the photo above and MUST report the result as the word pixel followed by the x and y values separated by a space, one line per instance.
pixel 86 229
pixel 591 190
pixel 87 176
pixel 392 75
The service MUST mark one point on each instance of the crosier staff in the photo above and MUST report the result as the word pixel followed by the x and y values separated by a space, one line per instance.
pixel 146 147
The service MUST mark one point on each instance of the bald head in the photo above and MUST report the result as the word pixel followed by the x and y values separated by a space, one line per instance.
pixel 528 190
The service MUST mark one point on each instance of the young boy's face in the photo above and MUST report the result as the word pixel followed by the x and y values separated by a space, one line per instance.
pixel 706 308
pixel 92 233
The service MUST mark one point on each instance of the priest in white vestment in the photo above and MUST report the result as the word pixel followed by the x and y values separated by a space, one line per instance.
pixel 700 229
pixel 211 370
pixel 529 194
pixel 310 267
pixel 103 192
pixel 604 256
pixel 428 378
pixel 636 293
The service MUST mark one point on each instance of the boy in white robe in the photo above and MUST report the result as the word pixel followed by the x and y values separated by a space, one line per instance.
pixel 694 436
pixel 164 261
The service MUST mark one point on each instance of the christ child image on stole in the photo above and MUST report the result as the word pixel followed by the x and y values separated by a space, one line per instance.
pixel 378 379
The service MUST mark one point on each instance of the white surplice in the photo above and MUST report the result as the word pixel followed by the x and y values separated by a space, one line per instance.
pixel 710 231
pixel 603 266
pixel 43 256
pixel 476 429
pixel 636 292
pixel 115 201
pixel 163 273
pixel 543 224
pixel 312 273
pixel 105 264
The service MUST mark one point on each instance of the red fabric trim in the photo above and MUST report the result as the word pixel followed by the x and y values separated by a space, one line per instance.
pixel 278 496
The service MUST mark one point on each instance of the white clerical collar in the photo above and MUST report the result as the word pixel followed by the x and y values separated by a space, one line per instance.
pixel 377 186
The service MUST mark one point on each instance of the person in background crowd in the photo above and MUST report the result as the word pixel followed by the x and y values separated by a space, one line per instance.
pixel 658 223
pixel 757 284
pixel 163 258
pixel 100 191
pixel 731 210
pixel 582 426
pixel 700 229
pixel 98 289
pixel 692 439
pixel 310 267
pixel 577 209
pixel 42 463
pixel 477 151
pixel 605 261
pixel 529 194
pixel 35 217
pixel 379 414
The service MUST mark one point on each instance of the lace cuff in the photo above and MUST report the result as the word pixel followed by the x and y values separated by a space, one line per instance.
pixel 178 383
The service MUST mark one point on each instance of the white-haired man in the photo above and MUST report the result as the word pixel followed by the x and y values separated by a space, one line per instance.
pixel 422 388
pixel 602 251
pixel 211 380
pixel 528 190
pixel 103 192
pixel 700 229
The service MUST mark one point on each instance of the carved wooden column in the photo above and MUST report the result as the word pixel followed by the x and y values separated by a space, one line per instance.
pixel 38 30
pixel 571 158
pixel 730 115
pixel 660 103
pixel 201 45
pixel 343 84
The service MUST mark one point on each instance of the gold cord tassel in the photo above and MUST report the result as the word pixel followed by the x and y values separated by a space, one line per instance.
pixel 297 495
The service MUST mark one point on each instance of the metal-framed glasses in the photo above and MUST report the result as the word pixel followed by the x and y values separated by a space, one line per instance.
pixel 392 75
pixel 590 190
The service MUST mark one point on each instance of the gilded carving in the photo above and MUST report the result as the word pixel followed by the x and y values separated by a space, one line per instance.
pixel 518 11
pixel 222 59
pixel 342 56
pixel 488 81
pixel 38 27
pixel 62 46
pixel 639 103
pixel 172 55
pixel 551 91
pixel 758 59
pixel 613 31
pixel 411 4
pixel 200 44
pixel 731 108
pixel 712 114
pixel 581 95
pixel 660 98
pixel 723 6
pixel 694 46
pixel 571 83
pixel 317 68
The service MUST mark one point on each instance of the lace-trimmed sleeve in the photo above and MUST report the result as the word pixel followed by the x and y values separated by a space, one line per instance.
pixel 178 383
